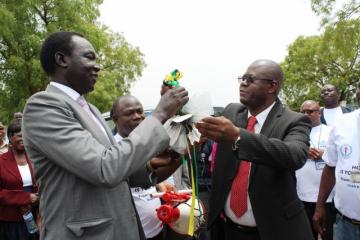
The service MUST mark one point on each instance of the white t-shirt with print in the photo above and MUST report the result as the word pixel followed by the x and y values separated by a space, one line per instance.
pixel 331 115
pixel 308 177
pixel 343 153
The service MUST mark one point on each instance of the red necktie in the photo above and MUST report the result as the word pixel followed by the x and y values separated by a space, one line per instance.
pixel 238 194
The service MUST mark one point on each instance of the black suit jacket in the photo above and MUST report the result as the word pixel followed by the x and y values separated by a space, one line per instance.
pixel 275 153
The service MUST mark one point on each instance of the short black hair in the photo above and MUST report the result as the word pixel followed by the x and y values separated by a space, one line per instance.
pixel 13 128
pixel 55 42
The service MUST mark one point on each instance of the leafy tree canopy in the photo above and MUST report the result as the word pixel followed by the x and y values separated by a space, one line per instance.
pixel 332 57
pixel 334 11
pixel 26 23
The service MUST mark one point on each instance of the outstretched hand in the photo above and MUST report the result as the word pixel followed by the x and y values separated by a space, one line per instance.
pixel 219 129
pixel 170 103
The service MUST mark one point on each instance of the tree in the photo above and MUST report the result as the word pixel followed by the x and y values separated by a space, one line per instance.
pixel 335 11
pixel 26 23
pixel 332 57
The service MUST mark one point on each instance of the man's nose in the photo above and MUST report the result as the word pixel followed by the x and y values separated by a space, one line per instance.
pixel 138 116
pixel 244 83
pixel 97 67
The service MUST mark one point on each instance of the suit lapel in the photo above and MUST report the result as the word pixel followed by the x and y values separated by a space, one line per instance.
pixel 267 128
pixel 270 121
pixel 84 119
pixel 241 120
pixel 11 165
pixel 103 123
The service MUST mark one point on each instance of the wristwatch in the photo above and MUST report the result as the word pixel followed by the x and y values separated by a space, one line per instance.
pixel 236 144
pixel 149 167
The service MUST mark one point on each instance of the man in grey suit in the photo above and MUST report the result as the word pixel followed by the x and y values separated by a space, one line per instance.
pixel 80 170
pixel 260 145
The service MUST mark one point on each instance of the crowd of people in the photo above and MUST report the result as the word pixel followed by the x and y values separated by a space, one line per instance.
pixel 276 174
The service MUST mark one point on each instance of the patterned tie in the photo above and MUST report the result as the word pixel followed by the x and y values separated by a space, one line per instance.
pixel 82 102
pixel 238 194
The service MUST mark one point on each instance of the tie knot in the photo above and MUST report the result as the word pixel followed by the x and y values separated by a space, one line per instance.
pixel 251 123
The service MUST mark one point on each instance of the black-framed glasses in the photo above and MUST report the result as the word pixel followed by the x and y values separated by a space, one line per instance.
pixel 309 111
pixel 249 78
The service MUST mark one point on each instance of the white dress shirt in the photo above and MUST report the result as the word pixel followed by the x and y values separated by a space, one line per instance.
pixel 247 219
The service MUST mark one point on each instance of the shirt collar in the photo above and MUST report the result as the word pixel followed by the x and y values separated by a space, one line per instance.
pixel 69 91
pixel 261 117
pixel 117 137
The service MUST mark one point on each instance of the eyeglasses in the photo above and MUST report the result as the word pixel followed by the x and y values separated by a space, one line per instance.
pixel 249 78
pixel 309 111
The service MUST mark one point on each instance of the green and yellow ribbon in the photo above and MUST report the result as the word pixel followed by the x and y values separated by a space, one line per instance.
pixel 172 79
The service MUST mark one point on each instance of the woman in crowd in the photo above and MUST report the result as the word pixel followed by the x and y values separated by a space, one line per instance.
pixel 18 192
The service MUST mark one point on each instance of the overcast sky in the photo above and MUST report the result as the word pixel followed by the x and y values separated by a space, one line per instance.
pixel 210 41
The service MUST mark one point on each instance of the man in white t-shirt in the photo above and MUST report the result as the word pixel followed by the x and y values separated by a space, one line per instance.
pixel 308 177
pixel 342 169
pixel 332 110
pixel 127 114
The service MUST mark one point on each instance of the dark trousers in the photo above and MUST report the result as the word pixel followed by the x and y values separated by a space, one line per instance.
pixel 223 229
pixel 330 219
pixel 15 231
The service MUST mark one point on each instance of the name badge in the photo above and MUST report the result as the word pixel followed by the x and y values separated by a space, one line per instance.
pixel 319 165
pixel 355 176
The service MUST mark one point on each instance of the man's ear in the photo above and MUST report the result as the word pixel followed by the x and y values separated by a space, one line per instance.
pixel 273 87
pixel 114 118
pixel 60 59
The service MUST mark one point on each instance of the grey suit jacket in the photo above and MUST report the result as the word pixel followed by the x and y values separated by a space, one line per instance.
pixel 275 154
pixel 81 173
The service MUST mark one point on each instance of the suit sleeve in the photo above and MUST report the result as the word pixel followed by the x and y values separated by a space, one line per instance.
pixel 288 152
pixel 52 132
pixel 14 197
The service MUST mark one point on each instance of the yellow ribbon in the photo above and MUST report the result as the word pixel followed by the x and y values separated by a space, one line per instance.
pixel 191 217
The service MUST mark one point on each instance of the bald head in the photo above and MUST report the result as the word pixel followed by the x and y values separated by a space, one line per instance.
pixel 127 114
pixel 260 85
pixel 311 108
pixel 269 70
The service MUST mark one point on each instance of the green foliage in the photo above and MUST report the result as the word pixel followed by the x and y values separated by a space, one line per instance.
pixel 335 11
pixel 332 57
pixel 26 23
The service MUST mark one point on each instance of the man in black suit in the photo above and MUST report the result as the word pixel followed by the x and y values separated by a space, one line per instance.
pixel 254 188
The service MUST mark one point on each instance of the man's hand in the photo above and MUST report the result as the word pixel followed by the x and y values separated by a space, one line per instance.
pixel 34 198
pixel 170 103
pixel 157 162
pixel 315 153
pixel 165 187
pixel 319 218
pixel 219 129
pixel 166 158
